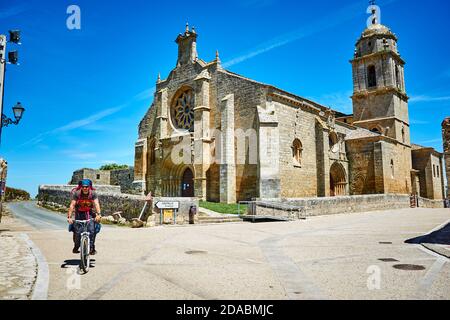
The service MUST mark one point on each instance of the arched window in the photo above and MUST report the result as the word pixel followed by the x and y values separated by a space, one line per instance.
pixel 438 172
pixel 377 130
pixel 332 139
pixel 371 76
pixel 297 150
pixel 397 77
pixel 403 135
pixel 152 157
pixel 392 169
pixel 434 170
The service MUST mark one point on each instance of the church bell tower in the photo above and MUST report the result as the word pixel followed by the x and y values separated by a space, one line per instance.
pixel 380 103
pixel 187 47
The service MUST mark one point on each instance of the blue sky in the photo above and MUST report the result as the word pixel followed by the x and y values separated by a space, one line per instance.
pixel 86 90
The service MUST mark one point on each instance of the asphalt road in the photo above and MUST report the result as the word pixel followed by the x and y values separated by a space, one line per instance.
pixel 348 256
pixel 36 217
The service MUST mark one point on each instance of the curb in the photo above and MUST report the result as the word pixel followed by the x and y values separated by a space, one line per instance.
pixel 440 250
pixel 40 289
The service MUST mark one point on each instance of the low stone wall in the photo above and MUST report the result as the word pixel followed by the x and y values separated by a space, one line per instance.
pixel 300 208
pixel 58 198
pixel 431 204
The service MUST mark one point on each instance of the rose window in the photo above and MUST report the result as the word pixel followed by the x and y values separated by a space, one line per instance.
pixel 183 111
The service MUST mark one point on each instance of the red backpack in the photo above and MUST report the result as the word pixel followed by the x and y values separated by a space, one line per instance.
pixel 83 204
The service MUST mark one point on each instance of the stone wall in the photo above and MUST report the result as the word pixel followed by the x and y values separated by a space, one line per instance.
pixel 123 178
pixel 111 200
pixel 446 141
pixel 430 166
pixel 98 177
pixel 432 204
pixel 298 208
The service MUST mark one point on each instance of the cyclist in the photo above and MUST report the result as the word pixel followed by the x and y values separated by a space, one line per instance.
pixel 84 199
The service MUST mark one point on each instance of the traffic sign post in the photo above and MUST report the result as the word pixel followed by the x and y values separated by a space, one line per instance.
pixel 167 205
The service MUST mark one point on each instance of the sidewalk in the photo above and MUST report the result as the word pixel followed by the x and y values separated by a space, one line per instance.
pixel 18 266
pixel 215 214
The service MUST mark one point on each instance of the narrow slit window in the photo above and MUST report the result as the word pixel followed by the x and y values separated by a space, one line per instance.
pixel 372 76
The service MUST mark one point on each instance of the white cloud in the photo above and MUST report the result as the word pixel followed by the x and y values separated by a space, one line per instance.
pixel 144 95
pixel 425 98
pixel 89 120
pixel 431 141
pixel 418 122
pixel 327 22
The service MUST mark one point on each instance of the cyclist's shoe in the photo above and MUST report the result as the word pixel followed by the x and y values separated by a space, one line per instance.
pixel 75 250
pixel 93 252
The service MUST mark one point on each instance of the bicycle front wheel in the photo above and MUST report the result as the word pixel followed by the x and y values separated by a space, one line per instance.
pixel 85 259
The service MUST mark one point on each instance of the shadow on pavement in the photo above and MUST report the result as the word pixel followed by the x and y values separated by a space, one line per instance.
pixel 75 263
pixel 441 236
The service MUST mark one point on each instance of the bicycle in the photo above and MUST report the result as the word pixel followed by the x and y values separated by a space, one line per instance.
pixel 85 259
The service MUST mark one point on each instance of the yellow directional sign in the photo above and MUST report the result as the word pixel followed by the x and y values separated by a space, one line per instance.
pixel 168 216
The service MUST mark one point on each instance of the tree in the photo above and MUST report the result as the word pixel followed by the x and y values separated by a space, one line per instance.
pixel 113 166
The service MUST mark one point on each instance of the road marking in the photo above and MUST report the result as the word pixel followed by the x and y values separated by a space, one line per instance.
pixel 294 281
pixel 119 276
pixel 430 277
pixel 196 292
pixel 40 290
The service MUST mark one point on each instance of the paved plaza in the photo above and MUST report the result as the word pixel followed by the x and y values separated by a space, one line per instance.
pixel 347 256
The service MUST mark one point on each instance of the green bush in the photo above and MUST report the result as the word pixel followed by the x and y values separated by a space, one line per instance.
pixel 12 194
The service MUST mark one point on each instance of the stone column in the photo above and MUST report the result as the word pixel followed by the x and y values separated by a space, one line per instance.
pixel 379 168
pixel 323 159
pixel 228 163
pixel 202 135
pixel 446 141
pixel 140 165
pixel 163 118
pixel 269 153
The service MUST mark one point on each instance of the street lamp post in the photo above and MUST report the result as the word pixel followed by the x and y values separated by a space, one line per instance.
pixel 13 58
pixel 18 111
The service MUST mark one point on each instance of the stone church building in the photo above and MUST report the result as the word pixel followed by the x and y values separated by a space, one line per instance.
pixel 246 139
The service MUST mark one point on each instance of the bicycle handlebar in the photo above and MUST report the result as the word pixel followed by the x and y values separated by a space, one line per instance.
pixel 84 221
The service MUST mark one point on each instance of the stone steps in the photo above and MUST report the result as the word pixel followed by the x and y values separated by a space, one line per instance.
pixel 207 219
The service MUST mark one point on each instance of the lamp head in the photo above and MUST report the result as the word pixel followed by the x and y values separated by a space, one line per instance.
pixel 18 111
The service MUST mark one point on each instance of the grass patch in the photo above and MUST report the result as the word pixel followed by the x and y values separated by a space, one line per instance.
pixel 224 208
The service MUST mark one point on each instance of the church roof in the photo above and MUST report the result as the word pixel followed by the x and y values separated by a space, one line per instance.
pixel 361 133
pixel 377 30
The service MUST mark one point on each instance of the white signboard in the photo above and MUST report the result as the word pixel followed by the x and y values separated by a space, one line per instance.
pixel 168 205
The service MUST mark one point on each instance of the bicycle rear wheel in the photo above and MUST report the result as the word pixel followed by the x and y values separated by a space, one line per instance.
pixel 85 259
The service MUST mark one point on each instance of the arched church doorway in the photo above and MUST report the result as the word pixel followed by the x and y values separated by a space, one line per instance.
pixel 338 180
pixel 187 184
